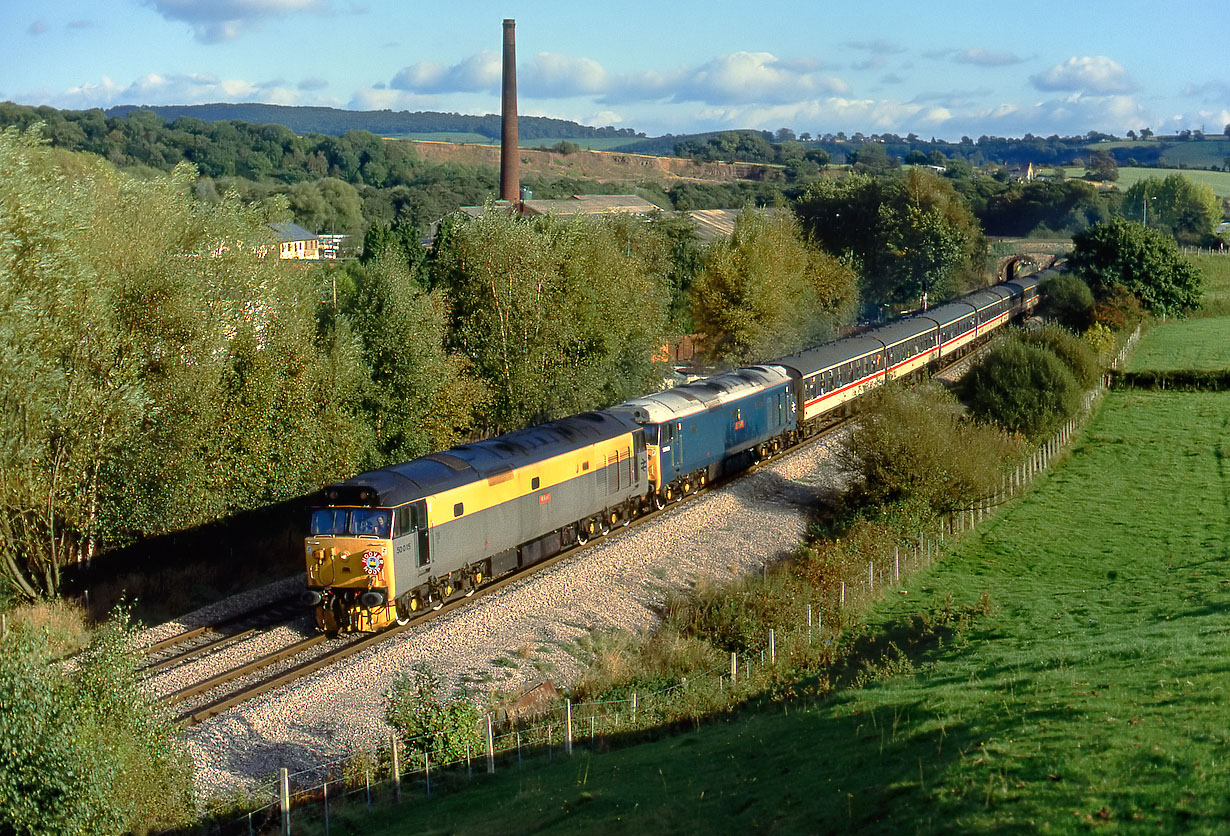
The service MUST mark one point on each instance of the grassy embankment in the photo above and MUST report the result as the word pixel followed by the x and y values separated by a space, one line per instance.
pixel 1093 693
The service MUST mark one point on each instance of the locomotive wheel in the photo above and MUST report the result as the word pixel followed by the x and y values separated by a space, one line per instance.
pixel 605 527
pixel 626 516
pixel 659 501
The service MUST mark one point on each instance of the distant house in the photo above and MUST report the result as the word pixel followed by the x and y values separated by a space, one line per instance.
pixel 295 242
pixel 1023 173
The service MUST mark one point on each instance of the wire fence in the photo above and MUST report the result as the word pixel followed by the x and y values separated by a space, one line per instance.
pixel 1219 250
pixel 337 794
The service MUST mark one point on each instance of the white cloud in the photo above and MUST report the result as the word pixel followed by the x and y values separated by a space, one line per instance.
pixel 551 75
pixel 1099 75
pixel 986 58
pixel 754 77
pixel 478 73
pixel 214 21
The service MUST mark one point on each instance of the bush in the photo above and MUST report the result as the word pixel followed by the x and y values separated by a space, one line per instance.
pixel 1076 353
pixel 89 752
pixel 416 709
pixel 1022 387
pixel 1069 300
pixel 914 442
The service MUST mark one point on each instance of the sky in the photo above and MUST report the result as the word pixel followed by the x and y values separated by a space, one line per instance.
pixel 941 69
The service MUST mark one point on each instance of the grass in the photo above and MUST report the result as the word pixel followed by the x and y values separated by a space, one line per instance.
pixel 1091 691
pixel 1216 269
pixel 1198 344
pixel 1219 181
pixel 63 623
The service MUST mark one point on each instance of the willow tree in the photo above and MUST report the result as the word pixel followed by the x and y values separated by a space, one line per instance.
pixel 766 292
pixel 556 315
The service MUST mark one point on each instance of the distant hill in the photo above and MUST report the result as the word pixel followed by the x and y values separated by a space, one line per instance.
pixel 335 122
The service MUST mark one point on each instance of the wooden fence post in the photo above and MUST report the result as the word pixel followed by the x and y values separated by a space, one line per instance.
pixel 490 747
pixel 567 727
pixel 284 799
pixel 772 651
pixel 396 770
pixel 734 670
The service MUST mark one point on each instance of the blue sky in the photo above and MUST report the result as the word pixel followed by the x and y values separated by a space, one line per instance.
pixel 942 69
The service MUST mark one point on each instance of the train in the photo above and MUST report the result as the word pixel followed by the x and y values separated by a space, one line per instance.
pixel 387 544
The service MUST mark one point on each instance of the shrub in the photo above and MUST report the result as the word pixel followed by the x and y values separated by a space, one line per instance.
pixel 1076 353
pixel 1069 300
pixel 914 442
pixel 89 752
pixel 416 709
pixel 1022 387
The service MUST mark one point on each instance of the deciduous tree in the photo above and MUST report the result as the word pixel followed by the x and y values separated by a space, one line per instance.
pixel 1124 256
pixel 766 292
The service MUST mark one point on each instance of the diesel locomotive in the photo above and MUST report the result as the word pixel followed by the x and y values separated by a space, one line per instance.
pixel 388 543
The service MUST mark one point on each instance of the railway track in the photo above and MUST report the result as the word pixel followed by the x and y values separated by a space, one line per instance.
pixel 192 644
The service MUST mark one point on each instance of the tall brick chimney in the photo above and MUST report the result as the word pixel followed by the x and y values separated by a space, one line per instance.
pixel 510 179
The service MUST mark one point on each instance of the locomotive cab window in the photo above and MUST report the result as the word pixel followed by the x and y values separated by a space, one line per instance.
pixel 405 521
pixel 328 521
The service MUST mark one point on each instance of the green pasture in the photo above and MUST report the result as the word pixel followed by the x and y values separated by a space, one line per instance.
pixel 1219 181
pixel 458 137
pixel 1198 344
pixel 1216 270
pixel 1198 154
pixel 1089 693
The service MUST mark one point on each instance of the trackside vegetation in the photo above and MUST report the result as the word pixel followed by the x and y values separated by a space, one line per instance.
pixel 86 750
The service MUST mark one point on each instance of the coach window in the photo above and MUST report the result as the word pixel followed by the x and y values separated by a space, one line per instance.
pixel 534 483
pixel 458 509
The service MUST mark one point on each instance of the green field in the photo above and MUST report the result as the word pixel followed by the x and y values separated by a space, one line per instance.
pixel 1092 693
pixel 1199 344
pixel 1219 181
pixel 1216 269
